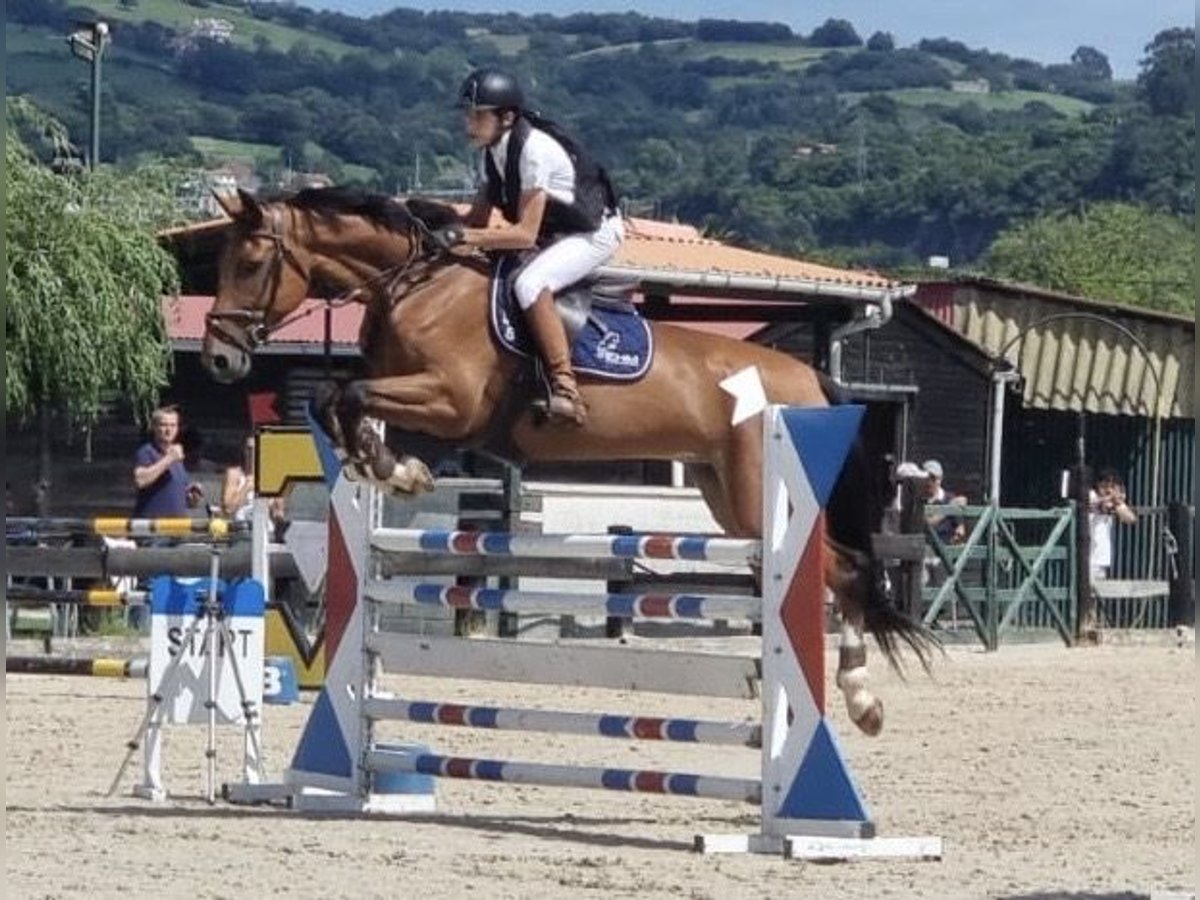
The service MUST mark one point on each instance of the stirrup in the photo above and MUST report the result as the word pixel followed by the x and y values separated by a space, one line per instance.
pixel 561 404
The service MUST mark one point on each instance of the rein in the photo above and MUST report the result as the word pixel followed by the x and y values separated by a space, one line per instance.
pixel 254 327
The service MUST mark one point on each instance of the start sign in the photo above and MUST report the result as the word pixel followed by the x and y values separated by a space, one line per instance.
pixel 187 640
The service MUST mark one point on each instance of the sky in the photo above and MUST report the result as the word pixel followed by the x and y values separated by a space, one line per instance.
pixel 1047 31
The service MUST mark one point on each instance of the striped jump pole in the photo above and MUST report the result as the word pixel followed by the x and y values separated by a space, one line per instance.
pixel 24 595
pixel 644 606
pixel 644 781
pixel 179 527
pixel 697 548
pixel 99 667
pixel 641 728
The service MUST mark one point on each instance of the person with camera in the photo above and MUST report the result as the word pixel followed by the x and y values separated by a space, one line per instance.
pixel 1106 507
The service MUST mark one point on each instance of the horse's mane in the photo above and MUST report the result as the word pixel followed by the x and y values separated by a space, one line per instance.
pixel 393 213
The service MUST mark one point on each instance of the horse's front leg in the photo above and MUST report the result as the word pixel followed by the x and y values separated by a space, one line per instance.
pixel 843 577
pixel 420 403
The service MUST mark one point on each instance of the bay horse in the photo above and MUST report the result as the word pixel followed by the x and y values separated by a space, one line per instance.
pixel 434 369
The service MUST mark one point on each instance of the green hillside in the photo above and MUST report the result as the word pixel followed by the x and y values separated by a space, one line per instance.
pixel 179 15
pixel 40 63
pixel 794 143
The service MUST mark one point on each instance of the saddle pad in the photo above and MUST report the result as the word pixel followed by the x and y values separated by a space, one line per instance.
pixel 614 344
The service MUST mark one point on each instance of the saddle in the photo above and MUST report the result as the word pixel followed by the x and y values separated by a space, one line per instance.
pixel 610 341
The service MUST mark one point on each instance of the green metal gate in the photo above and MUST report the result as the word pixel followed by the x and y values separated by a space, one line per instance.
pixel 1014 572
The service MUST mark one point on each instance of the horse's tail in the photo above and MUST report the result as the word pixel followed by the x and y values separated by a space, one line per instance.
pixel 853 514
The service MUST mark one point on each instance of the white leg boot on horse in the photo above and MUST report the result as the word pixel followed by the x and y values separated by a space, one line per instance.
pixel 564 405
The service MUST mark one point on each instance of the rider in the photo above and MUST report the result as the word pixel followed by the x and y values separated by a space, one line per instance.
pixel 554 200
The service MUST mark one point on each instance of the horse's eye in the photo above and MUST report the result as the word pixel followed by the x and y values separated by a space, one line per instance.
pixel 247 266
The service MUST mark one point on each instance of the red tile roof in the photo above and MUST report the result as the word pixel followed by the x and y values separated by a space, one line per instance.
pixel 682 250
pixel 699 269
pixel 184 316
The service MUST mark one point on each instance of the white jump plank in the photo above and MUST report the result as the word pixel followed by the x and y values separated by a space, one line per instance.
pixel 618 668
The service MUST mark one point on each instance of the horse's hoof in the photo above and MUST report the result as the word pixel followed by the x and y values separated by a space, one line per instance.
pixel 411 477
pixel 870 722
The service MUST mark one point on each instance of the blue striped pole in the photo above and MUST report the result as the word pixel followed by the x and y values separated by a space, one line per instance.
pixel 645 728
pixel 644 606
pixel 745 790
pixel 700 548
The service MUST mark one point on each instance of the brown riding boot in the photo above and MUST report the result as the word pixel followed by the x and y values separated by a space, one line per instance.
pixel 565 404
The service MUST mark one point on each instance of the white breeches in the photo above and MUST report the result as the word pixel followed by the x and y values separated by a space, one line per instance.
pixel 567 260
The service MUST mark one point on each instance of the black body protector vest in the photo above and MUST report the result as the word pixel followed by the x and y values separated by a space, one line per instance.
pixel 594 194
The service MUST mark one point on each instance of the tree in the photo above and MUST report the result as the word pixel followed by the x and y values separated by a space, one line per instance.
pixel 835 33
pixel 1166 82
pixel 85 276
pixel 1092 64
pixel 881 42
pixel 1112 251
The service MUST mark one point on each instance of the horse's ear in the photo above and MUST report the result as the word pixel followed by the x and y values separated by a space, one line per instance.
pixel 241 206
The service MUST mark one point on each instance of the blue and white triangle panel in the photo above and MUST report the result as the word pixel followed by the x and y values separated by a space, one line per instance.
pixel 823 438
pixel 824 788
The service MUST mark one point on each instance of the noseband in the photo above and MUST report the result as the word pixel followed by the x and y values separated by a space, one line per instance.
pixel 254 328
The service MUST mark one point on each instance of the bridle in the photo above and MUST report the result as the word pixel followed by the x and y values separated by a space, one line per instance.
pixel 254 325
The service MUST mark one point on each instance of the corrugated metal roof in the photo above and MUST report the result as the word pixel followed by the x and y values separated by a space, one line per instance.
pixel 1075 363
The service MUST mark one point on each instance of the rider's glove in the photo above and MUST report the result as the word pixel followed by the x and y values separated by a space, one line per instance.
pixel 448 236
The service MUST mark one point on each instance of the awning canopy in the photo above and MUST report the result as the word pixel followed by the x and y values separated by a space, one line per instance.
pixel 1075 354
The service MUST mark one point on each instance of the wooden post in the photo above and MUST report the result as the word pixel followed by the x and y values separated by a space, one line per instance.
pixel 1085 624
pixel 912 571
pixel 1181 574
pixel 615 626
pixel 510 513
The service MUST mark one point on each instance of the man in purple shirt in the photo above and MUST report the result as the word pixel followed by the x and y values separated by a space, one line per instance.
pixel 163 487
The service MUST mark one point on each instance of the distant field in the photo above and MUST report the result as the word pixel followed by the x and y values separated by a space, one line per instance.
pixel 179 15
pixel 218 150
pixel 788 56
pixel 1009 101
pixel 953 66
pixel 506 44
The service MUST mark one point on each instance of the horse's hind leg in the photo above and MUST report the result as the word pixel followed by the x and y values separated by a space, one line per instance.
pixel 706 479
pixel 742 483
pixel 844 577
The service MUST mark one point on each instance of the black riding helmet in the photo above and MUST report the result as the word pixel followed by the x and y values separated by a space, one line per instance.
pixel 490 89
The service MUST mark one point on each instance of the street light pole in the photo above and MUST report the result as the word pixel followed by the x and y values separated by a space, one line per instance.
pixel 88 43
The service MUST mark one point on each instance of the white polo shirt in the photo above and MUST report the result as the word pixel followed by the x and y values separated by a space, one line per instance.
pixel 544 164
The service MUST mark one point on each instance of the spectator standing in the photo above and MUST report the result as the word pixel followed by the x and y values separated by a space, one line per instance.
pixel 163 486
pixel 950 529
pixel 237 492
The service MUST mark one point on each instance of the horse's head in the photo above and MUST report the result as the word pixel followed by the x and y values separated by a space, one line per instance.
pixel 263 276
